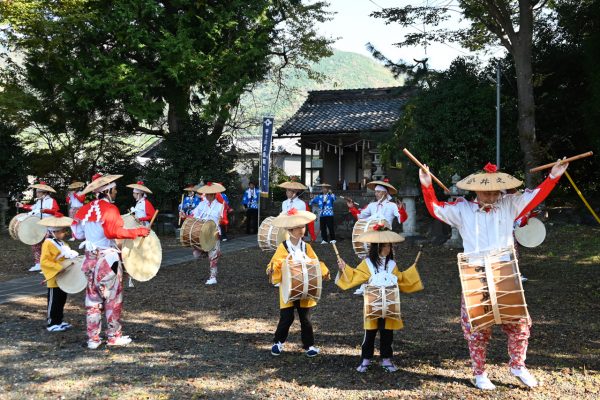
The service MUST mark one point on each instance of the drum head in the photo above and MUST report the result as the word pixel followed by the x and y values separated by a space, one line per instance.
pixel 129 221
pixel 208 235
pixel 532 234
pixel 285 287
pixel 270 237
pixel 72 279
pixel 29 231
pixel 142 257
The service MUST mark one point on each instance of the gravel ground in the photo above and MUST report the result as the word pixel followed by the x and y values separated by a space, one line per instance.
pixel 193 341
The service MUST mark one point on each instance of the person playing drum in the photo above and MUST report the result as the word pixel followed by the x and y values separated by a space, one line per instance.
pixel 379 269
pixel 190 201
pixel 295 222
pixel 293 191
pixel 382 207
pixel 55 250
pixel 45 206
pixel 100 223
pixel 492 209
pixel 143 211
pixel 210 209
pixel 75 199
pixel 325 202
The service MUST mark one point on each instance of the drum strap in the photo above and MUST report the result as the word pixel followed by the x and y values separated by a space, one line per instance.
pixel 489 276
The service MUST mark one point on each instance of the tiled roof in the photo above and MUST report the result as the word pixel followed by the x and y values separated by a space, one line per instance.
pixel 347 111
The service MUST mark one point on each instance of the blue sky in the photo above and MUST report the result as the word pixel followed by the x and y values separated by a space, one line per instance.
pixel 355 28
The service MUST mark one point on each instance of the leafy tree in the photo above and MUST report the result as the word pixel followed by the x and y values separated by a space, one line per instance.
pixel 506 22
pixel 13 173
pixel 450 125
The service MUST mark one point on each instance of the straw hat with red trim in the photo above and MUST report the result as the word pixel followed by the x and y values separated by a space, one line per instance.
pixel 293 218
pixel 99 182
pixel 43 186
pixel 390 189
pixel 211 188
pixel 139 187
pixel 490 179
pixel 380 234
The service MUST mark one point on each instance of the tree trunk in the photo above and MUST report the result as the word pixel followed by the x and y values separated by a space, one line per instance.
pixel 178 99
pixel 526 107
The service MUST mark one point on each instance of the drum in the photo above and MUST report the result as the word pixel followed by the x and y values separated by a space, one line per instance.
pixel 361 249
pixel 301 280
pixel 141 256
pixel 25 227
pixel 202 234
pixel 491 288
pixel 532 234
pixel 72 279
pixel 382 302
pixel 269 236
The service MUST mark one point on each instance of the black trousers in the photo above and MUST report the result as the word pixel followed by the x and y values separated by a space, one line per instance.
pixel 386 337
pixel 327 225
pixel 286 318
pixel 251 220
pixel 56 304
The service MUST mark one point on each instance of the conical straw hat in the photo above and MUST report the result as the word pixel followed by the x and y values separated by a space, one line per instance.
pixel 211 188
pixel 391 190
pixel 42 186
pixel 293 218
pixel 292 186
pixel 76 185
pixel 139 185
pixel 381 236
pixel 57 221
pixel 100 182
pixel 489 180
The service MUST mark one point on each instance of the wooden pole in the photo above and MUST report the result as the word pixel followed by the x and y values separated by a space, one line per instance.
pixel 181 210
pixel 418 163
pixel 566 160
pixel 149 227
pixel 337 254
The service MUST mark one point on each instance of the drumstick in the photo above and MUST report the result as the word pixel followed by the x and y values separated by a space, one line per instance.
pixel 181 204
pixel 149 227
pixel 566 160
pixel 337 254
pixel 342 197
pixel 58 273
pixel 418 163
pixel 417 258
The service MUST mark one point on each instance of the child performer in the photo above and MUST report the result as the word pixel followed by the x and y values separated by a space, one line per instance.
pixel 55 250
pixel 295 222
pixel 487 224
pixel 379 269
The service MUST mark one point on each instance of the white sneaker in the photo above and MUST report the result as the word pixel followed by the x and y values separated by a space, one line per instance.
pixel 72 239
pixel 130 282
pixel 35 268
pixel 93 345
pixel 360 291
pixel 525 376
pixel 524 279
pixel 483 382
pixel 211 281
pixel 323 242
pixel 333 241
pixel 312 351
pixel 276 285
pixel 119 341
pixel 56 328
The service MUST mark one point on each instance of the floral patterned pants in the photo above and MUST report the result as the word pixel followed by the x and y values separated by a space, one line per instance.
pixel 104 291
pixel 518 339
pixel 213 257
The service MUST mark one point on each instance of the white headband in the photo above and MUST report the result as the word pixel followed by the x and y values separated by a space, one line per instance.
pixel 381 188
pixel 138 191
pixel 106 187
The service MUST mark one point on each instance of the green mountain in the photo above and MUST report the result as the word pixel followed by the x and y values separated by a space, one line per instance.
pixel 343 70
